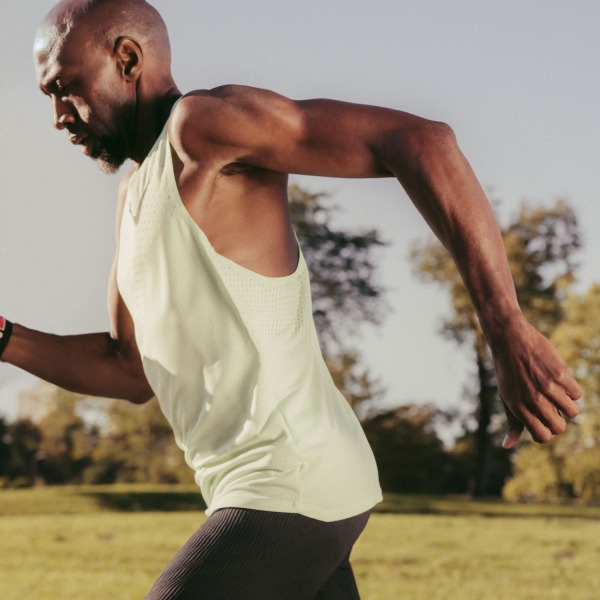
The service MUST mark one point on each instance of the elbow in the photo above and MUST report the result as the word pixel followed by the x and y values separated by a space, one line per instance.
pixel 427 136
pixel 437 130
pixel 410 148
pixel 140 398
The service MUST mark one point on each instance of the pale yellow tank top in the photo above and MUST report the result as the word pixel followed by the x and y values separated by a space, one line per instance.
pixel 234 360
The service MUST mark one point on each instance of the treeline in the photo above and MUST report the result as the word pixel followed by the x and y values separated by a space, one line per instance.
pixel 93 441
pixel 89 441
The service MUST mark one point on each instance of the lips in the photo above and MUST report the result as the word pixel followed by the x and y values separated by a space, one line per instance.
pixel 83 140
pixel 77 138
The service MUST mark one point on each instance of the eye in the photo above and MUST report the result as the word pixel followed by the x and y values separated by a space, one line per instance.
pixel 61 87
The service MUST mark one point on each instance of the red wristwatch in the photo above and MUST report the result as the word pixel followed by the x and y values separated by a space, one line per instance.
pixel 5 333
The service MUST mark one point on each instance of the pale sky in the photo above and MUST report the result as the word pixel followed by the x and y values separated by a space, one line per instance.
pixel 517 80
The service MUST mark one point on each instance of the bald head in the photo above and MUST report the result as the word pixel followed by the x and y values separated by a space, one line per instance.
pixel 104 64
pixel 105 22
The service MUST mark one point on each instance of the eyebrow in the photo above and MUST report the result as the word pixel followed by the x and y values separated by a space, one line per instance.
pixel 51 75
pixel 47 84
pixel 47 88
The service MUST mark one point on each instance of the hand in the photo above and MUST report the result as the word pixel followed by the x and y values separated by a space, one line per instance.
pixel 535 385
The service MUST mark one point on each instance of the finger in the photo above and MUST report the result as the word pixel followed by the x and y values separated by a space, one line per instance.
pixel 568 383
pixel 549 415
pixel 515 429
pixel 536 427
pixel 556 393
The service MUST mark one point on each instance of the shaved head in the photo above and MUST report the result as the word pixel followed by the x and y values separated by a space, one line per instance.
pixel 105 64
pixel 106 21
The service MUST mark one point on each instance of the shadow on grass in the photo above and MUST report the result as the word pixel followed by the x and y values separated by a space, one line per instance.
pixel 491 507
pixel 148 501
pixel 165 498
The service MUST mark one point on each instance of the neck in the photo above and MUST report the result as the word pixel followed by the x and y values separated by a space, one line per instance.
pixel 152 112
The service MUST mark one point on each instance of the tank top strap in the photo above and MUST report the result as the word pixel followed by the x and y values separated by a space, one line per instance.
pixel 154 164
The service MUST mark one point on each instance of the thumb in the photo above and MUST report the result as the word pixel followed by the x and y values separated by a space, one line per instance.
pixel 515 429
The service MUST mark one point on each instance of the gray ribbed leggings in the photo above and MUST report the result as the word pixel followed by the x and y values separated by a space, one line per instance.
pixel 243 554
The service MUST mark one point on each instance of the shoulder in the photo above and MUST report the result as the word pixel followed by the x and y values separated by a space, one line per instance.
pixel 230 99
pixel 228 115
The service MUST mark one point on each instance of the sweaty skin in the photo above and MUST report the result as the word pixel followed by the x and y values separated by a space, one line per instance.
pixel 111 88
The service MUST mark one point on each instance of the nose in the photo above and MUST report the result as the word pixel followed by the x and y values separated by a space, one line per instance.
pixel 63 113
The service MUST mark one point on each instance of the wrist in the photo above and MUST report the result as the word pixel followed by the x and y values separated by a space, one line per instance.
pixel 499 324
pixel 6 329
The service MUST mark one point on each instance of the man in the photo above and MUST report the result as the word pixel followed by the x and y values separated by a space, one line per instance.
pixel 209 296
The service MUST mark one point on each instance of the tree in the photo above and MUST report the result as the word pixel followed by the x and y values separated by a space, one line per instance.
pixel 67 441
pixel 540 244
pixel 138 447
pixel 21 444
pixel 410 456
pixel 569 465
pixel 5 452
pixel 343 275
pixel 354 382
pixel 55 450
pixel 344 287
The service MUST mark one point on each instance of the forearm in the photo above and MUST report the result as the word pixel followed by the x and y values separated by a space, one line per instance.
pixel 443 187
pixel 91 364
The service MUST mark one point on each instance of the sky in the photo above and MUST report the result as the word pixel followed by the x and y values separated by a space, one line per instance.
pixel 516 80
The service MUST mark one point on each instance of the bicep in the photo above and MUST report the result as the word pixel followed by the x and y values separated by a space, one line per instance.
pixel 340 139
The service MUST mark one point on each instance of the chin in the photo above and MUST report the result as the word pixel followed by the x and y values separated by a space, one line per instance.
pixel 109 152
pixel 109 162
pixel 108 168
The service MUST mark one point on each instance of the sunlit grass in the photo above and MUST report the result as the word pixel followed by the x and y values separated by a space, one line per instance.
pixel 471 558
pixel 95 554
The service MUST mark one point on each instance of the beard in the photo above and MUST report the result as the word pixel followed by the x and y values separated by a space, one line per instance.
pixel 110 153
pixel 110 150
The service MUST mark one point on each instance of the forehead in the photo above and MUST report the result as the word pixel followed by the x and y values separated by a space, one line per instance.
pixel 55 55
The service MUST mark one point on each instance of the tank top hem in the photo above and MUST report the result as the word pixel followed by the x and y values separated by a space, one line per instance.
pixel 312 512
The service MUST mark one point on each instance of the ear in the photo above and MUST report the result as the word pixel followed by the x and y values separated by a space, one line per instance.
pixel 130 58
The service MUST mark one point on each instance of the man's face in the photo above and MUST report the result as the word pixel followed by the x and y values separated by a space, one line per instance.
pixel 89 97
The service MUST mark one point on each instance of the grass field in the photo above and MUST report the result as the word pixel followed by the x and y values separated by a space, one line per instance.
pixel 111 543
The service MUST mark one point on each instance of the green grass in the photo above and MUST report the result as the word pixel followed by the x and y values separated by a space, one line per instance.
pixel 111 543
pixel 478 558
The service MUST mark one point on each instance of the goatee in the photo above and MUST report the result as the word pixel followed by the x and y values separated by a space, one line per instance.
pixel 110 153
